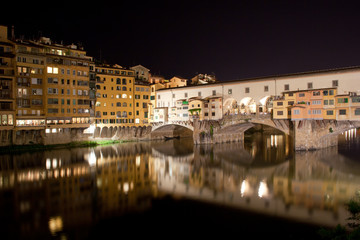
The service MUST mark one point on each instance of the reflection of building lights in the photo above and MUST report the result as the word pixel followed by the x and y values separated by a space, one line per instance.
pixel 137 160
pixel 55 224
pixel 54 163
pixel 126 187
pixel 92 158
pixel 350 134
pixel 263 190
pixel 243 187
pixel 273 140
pixel 48 163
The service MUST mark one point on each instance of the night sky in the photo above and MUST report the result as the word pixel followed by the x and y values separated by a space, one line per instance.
pixel 231 39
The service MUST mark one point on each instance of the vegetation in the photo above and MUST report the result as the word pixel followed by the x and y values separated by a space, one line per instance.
pixel 39 147
pixel 352 231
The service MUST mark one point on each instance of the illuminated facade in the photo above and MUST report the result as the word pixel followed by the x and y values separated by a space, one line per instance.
pixel 141 104
pixel 347 107
pixel 66 82
pixel 141 73
pixel 114 96
pixel 44 88
pixel 7 85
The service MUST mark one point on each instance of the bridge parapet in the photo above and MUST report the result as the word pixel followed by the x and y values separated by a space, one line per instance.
pixel 186 124
pixel 265 119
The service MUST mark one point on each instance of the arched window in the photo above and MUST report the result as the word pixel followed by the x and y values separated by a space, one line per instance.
pixel 118 114
pixel 124 114
pixel 124 88
pixel 124 96
pixel 118 104
pixel 124 104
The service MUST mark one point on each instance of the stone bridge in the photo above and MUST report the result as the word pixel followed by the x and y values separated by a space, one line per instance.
pixel 186 124
pixel 317 134
pixel 307 134
pixel 231 128
pixel 249 120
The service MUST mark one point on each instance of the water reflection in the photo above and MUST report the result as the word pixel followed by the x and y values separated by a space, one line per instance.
pixel 47 193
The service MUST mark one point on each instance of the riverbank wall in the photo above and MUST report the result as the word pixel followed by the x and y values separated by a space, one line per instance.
pixel 71 135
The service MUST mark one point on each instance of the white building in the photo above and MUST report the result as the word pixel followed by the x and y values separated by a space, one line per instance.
pixel 161 114
pixel 253 95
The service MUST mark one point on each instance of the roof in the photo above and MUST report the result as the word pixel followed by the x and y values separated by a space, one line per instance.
pixel 274 76
pixel 140 66
pixel 308 90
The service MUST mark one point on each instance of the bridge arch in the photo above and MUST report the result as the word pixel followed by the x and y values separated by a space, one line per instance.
pixel 179 129
pixel 265 104
pixel 247 105
pixel 230 106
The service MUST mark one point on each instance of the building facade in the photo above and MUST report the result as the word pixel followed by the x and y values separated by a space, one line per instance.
pixel 258 95
pixel 7 86
pixel 114 96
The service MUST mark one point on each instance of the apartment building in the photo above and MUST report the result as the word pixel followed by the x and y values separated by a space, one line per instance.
pixel 67 101
pixel 314 104
pixel 152 105
pixel 347 106
pixel 196 108
pixel 141 103
pixel 141 73
pixel 114 96
pixel 52 86
pixel 7 85
pixel 30 93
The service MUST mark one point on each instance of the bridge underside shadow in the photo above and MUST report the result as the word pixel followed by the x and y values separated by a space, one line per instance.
pixel 236 132
pixel 171 131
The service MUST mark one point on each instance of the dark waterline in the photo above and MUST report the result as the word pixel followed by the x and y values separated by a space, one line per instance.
pixel 172 188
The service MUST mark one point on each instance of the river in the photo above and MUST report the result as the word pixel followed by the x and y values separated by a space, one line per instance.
pixel 172 188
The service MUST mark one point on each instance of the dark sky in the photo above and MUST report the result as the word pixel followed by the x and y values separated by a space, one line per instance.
pixel 231 39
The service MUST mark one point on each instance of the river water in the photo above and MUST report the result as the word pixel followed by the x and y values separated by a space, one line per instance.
pixel 172 188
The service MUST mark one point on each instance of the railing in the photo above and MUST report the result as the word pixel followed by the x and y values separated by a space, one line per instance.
pixel 247 116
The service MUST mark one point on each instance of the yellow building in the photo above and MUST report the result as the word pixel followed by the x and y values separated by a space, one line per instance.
pixel 176 82
pixel 30 91
pixel 141 104
pixel 114 96
pixel 282 104
pixel 52 86
pixel 7 85
pixel 66 82
pixel 196 108
pixel 347 106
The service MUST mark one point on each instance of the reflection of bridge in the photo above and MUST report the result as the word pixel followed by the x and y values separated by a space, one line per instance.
pixel 304 189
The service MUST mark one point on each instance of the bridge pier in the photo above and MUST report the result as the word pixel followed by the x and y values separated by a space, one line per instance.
pixel 318 134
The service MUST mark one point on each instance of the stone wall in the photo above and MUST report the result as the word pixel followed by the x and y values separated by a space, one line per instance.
pixel 212 132
pixel 67 135
pixel 123 133
pixel 318 134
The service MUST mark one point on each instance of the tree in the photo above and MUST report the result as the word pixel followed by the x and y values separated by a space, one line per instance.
pixel 341 232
